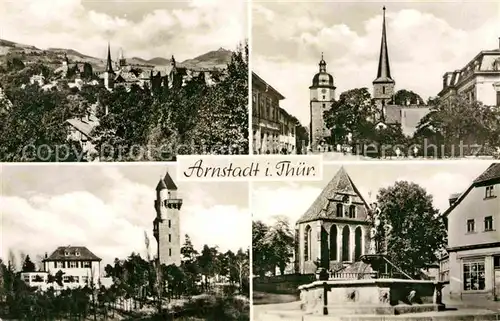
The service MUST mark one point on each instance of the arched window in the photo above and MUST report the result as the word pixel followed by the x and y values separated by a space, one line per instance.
pixel 358 243
pixel 307 243
pixel 340 210
pixel 345 243
pixel 333 243
pixel 352 211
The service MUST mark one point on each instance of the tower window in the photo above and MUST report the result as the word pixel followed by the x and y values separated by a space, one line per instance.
pixel 169 252
pixel 324 97
pixel 383 90
pixel 324 105
pixel 170 238
pixel 169 223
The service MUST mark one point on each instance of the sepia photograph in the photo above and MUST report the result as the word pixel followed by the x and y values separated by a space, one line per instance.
pixel 372 80
pixel 84 80
pixel 127 242
pixel 371 241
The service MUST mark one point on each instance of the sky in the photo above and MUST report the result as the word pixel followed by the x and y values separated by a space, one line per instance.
pixel 425 40
pixel 108 208
pixel 142 28
pixel 293 199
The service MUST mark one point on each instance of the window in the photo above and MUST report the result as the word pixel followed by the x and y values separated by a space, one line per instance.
pixel 169 223
pixel 496 262
pixel 86 264
pixel 473 276
pixel 170 238
pixel 73 264
pixel 26 278
pixel 66 253
pixel 77 253
pixel 340 210
pixel 66 279
pixel 489 192
pixel 307 243
pixel 383 90
pixel 169 252
pixel 85 279
pixel 498 98
pixel 352 211
pixel 76 279
pixel 60 265
pixel 488 223
pixel 324 97
pixel 470 226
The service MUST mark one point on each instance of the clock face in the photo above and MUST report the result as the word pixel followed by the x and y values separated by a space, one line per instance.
pixel 323 90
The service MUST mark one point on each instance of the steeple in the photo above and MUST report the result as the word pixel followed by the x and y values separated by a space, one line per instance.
pixel 109 64
pixel 172 61
pixel 384 70
pixel 322 64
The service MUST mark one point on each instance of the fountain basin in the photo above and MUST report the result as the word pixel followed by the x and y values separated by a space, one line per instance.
pixel 371 296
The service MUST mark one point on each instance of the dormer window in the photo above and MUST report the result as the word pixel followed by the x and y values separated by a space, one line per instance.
pixel 489 193
pixel 66 253
pixel 77 253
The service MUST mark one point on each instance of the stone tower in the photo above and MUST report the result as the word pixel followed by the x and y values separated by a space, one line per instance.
pixel 383 85
pixel 122 62
pixel 166 225
pixel 109 74
pixel 335 230
pixel 322 95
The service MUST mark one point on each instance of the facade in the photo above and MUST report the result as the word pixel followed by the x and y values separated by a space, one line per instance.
pixel 479 80
pixel 322 95
pixel 387 113
pixel 80 267
pixel 80 130
pixel 473 238
pixel 335 230
pixel 166 225
pixel 273 127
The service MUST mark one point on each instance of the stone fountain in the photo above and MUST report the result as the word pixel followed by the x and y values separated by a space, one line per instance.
pixel 373 285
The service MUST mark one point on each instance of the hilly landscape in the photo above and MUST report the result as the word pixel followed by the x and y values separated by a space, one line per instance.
pixel 52 56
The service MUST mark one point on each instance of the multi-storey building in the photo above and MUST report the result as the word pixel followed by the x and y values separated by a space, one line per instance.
pixel 273 127
pixel 479 80
pixel 334 231
pixel 166 225
pixel 78 265
pixel 474 239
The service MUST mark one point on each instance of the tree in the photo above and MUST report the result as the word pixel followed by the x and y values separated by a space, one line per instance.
pixel 418 233
pixel 260 249
pixel 353 113
pixel 28 265
pixel 407 97
pixel 279 240
pixel 456 123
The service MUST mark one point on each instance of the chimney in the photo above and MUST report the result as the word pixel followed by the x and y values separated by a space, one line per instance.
pixel 46 256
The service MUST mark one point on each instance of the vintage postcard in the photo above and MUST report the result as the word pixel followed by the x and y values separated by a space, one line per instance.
pixel 122 80
pixel 372 80
pixel 121 243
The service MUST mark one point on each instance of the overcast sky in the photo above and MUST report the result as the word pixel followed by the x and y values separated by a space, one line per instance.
pixel 425 39
pixel 144 28
pixel 107 208
pixel 272 199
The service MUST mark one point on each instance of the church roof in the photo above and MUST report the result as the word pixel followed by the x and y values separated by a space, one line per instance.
pixel 166 183
pixel 340 185
pixel 384 70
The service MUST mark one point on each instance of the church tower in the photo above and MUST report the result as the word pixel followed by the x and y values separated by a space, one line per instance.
pixel 122 62
pixel 166 225
pixel 109 74
pixel 383 85
pixel 322 95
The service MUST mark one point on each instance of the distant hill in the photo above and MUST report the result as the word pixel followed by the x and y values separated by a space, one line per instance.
pixel 212 59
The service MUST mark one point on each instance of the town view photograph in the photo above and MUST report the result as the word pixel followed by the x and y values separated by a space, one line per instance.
pixel 121 243
pixel 373 80
pixel 83 80
pixel 371 241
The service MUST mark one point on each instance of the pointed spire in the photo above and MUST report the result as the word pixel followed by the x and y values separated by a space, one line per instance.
pixel 169 182
pixel 172 61
pixel 384 70
pixel 109 65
